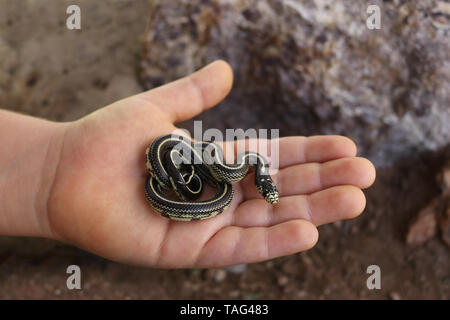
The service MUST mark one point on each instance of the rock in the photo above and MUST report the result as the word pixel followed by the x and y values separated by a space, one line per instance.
pixel 424 225
pixel 436 214
pixel 313 67
pixel 394 296
pixel 234 294
pixel 444 178
pixel 220 275
pixel 283 280
pixel 237 269
pixel 338 224
pixel 444 224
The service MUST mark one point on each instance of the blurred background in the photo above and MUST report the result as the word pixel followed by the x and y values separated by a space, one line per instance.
pixel 305 66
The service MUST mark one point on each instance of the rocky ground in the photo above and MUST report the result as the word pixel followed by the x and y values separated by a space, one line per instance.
pixel 51 72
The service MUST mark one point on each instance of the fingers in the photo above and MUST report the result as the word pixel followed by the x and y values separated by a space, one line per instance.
pixel 295 150
pixel 313 177
pixel 329 205
pixel 234 245
pixel 189 96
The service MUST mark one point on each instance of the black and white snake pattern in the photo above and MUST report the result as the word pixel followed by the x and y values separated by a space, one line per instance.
pixel 175 163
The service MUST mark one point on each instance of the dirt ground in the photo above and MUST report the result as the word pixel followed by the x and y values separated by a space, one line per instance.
pixel 49 71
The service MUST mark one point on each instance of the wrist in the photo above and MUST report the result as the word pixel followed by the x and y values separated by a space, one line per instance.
pixel 54 137
pixel 29 157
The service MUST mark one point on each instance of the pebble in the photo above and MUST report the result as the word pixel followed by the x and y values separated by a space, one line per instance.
pixel 394 295
pixel 237 269
pixel 338 224
pixel 424 225
pixel 220 275
pixel 283 280
pixel 444 224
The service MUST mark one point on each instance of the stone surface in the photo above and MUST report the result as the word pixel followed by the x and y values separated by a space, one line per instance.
pixel 444 178
pixel 436 214
pixel 424 226
pixel 313 67
pixel 444 224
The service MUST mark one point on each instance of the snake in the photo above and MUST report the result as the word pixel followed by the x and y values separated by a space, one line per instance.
pixel 177 165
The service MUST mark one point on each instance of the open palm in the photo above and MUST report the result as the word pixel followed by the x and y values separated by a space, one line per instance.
pixel 97 200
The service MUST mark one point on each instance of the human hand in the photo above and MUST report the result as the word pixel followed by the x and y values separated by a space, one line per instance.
pixel 96 200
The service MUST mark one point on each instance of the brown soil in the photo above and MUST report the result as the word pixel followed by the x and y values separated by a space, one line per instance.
pixel 49 71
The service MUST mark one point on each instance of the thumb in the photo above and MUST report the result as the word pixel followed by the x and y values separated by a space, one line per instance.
pixel 191 95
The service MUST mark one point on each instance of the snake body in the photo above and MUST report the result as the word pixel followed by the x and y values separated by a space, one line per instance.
pixel 178 164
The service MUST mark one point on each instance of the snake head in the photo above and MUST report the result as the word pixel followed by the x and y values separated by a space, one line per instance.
pixel 267 189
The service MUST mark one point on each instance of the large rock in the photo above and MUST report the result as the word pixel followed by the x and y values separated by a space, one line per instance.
pixel 313 67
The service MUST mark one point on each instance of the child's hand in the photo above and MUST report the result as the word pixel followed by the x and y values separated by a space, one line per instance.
pixel 97 197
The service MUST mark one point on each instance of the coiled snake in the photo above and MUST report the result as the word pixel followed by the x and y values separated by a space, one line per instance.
pixel 175 163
